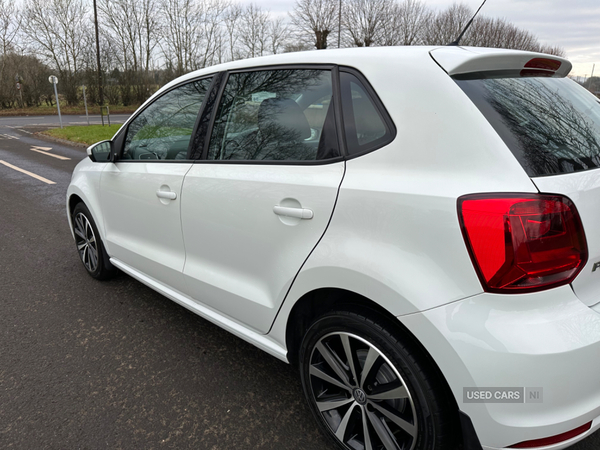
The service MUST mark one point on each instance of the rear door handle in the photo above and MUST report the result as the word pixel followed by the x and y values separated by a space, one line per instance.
pixel 169 195
pixel 299 213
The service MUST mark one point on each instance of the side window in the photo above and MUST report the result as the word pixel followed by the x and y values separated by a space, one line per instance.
pixel 275 115
pixel 163 130
pixel 364 126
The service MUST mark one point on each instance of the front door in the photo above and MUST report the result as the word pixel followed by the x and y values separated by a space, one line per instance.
pixel 141 192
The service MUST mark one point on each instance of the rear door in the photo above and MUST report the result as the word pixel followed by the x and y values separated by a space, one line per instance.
pixel 256 206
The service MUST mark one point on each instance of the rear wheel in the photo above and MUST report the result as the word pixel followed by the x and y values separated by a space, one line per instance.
pixel 368 391
pixel 89 245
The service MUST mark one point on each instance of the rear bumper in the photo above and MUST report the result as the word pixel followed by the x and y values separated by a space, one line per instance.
pixel 544 345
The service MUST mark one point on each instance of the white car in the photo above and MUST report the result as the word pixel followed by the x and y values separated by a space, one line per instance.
pixel 413 228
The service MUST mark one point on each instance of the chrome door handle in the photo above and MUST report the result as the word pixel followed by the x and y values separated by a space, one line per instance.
pixel 166 194
pixel 299 213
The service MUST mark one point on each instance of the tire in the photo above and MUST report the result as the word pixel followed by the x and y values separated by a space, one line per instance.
pixel 368 391
pixel 89 245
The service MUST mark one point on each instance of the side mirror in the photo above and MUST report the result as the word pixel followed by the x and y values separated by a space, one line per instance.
pixel 100 151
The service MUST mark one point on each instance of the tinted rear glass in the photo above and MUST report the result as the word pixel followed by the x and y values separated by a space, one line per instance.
pixel 552 125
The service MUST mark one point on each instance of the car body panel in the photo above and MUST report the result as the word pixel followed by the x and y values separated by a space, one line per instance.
pixel 397 204
pixel 583 188
pixel 537 340
pixel 85 184
pixel 141 229
pixel 241 256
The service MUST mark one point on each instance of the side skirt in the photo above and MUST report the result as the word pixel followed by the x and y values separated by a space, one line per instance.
pixel 261 341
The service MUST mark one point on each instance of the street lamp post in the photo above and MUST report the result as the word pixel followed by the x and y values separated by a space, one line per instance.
pixel 100 88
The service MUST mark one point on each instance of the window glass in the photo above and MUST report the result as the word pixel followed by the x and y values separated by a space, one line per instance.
pixel 551 125
pixel 364 126
pixel 274 115
pixel 163 130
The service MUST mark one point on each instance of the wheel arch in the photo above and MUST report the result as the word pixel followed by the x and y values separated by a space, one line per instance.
pixel 72 202
pixel 315 304
pixel 76 195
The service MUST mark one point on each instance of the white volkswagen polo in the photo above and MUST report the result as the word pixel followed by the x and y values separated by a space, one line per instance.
pixel 413 228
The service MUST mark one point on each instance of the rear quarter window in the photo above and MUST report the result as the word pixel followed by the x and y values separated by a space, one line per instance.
pixel 551 125
pixel 366 124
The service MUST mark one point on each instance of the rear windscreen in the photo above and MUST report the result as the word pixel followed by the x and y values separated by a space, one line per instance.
pixel 552 125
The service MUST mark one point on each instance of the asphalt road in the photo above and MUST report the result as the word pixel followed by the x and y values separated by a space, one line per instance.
pixel 114 365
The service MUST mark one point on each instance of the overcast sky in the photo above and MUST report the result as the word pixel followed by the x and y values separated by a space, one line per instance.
pixel 573 25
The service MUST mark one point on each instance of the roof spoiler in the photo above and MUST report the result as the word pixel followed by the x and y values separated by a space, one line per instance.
pixel 488 61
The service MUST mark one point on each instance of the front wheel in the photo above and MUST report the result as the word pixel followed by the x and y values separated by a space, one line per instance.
pixel 89 245
pixel 368 391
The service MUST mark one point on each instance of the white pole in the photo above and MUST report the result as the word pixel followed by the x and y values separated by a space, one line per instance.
pixel 57 103
pixel 85 103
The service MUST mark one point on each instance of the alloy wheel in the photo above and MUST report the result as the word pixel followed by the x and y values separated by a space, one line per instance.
pixel 87 245
pixel 360 395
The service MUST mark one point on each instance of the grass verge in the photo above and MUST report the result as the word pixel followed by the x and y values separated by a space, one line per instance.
pixel 84 134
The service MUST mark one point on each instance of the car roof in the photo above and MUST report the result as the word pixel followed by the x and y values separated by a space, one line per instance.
pixel 354 57
pixel 453 59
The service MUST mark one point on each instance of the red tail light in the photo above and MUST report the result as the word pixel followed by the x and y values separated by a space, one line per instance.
pixel 544 64
pixel 523 243
pixel 554 439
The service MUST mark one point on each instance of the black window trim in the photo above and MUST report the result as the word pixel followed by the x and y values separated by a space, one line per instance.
pixel 219 81
pixel 205 117
pixel 119 139
pixel 294 66
pixel 391 130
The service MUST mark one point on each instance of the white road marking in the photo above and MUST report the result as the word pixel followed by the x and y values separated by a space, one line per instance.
pixel 25 131
pixel 64 158
pixel 41 148
pixel 18 169
pixel 9 136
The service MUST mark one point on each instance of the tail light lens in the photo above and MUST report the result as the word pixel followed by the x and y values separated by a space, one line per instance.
pixel 523 243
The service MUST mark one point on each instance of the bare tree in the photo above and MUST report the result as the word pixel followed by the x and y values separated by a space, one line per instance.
pixel 9 27
pixel 499 33
pixel 365 21
pixel 231 21
pixel 193 33
pixel 134 27
pixel 138 36
pixel 10 24
pixel 484 32
pixel 315 18
pixel 446 25
pixel 180 44
pixel 278 32
pixel 56 29
pixel 406 23
pixel 552 50
pixel 254 31
pixel 212 36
